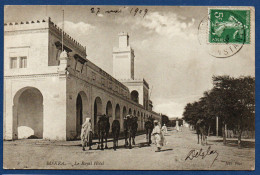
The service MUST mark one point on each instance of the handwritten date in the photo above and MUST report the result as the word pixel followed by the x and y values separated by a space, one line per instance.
pixel 132 11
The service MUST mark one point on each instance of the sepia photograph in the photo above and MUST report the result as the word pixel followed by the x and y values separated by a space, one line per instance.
pixel 129 87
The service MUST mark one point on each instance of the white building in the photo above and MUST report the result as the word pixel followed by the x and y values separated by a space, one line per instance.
pixel 49 94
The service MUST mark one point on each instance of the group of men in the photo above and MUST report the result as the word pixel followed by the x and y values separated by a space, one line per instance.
pixel 158 134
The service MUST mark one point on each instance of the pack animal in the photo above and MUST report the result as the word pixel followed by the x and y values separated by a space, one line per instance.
pixel 148 129
pixel 103 131
pixel 201 130
pixel 115 132
pixel 130 129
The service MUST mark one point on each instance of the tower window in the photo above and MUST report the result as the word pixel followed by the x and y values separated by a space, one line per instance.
pixel 13 62
pixel 23 62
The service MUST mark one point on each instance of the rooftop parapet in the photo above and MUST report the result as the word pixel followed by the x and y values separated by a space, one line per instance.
pixel 135 81
pixel 26 25
pixel 126 49
pixel 123 34
pixel 45 23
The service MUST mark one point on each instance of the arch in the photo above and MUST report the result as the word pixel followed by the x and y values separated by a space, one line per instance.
pixel 124 112
pixel 117 112
pixel 130 111
pixel 28 113
pixel 109 109
pixel 135 96
pixel 139 120
pixel 97 111
pixel 109 112
pixel 142 121
pixel 81 111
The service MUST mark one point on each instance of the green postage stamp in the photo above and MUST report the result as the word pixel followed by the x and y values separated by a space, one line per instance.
pixel 229 26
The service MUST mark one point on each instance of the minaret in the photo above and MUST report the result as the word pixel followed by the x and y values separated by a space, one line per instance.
pixel 123 59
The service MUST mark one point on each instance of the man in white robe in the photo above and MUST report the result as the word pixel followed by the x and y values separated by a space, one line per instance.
pixel 159 138
pixel 86 134
pixel 164 129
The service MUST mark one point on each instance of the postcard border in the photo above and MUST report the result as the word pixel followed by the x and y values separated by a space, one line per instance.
pixel 256 4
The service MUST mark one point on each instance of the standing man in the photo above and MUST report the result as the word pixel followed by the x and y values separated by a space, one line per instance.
pixel 177 126
pixel 86 134
pixel 164 129
pixel 158 136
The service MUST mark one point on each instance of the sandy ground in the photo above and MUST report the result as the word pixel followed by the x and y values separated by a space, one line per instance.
pixel 41 154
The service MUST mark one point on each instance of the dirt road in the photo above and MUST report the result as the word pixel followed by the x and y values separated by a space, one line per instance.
pixel 181 153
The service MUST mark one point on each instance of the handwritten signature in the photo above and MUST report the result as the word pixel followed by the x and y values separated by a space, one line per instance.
pixel 200 153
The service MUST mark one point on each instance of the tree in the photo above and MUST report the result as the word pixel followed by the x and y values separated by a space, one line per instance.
pixel 165 119
pixel 235 102
pixel 231 99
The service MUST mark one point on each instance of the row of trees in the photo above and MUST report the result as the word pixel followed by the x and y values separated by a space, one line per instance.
pixel 232 100
pixel 170 122
pixel 165 119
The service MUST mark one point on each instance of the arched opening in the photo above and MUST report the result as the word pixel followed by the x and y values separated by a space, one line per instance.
pixel 142 125
pixel 117 112
pixel 135 96
pixel 109 112
pixel 124 112
pixel 139 120
pixel 81 111
pixel 28 113
pixel 130 111
pixel 79 115
pixel 97 112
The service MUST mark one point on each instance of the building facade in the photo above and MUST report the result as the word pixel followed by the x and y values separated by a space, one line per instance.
pixel 49 93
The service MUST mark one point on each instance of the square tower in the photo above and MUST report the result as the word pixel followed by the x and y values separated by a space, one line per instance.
pixel 123 59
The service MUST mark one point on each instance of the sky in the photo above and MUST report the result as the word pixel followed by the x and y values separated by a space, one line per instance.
pixel 168 54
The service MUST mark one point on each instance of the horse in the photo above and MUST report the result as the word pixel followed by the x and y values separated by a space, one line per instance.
pixel 130 129
pixel 148 129
pixel 201 131
pixel 103 130
pixel 86 134
pixel 115 132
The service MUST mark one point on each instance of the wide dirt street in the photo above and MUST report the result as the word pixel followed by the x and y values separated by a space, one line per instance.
pixel 41 154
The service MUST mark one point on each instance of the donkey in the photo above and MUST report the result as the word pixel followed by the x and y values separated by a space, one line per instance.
pixel 115 132
pixel 103 130
pixel 149 128
pixel 130 129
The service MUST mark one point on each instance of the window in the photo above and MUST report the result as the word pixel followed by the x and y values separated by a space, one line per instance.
pixel 103 82
pixel 23 62
pixel 110 85
pixel 93 76
pixel 13 62
pixel 79 66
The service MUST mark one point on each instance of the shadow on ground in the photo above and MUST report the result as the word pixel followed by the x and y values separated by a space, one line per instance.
pixel 233 143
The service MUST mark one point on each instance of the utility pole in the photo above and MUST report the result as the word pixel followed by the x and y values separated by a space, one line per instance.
pixel 217 126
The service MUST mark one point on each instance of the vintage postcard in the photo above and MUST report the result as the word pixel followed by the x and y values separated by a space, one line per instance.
pixel 129 87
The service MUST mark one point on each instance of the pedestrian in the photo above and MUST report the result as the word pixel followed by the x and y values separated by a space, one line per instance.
pixel 158 136
pixel 164 129
pixel 86 134
pixel 159 124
